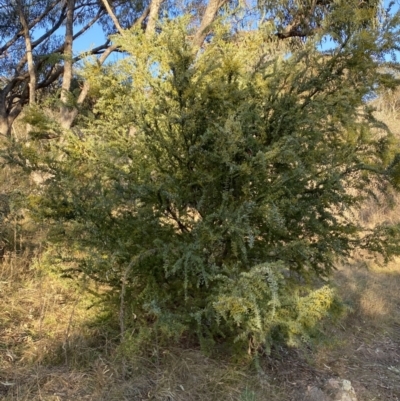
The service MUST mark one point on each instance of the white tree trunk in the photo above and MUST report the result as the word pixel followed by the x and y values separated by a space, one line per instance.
pixel 209 16
pixel 155 6
pixel 65 109
pixel 29 56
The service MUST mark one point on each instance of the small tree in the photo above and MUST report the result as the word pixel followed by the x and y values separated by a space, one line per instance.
pixel 214 188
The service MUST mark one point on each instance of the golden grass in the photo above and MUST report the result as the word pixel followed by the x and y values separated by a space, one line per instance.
pixel 49 352
pixel 365 346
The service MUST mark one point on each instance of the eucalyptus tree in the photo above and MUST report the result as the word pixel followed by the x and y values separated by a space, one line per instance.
pixel 36 45
pixel 34 53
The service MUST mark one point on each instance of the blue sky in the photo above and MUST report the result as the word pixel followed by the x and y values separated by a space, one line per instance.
pixel 92 38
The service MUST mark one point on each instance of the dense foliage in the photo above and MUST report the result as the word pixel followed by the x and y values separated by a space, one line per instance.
pixel 212 190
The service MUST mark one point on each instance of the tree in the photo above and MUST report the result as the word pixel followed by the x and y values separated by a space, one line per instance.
pixel 35 57
pixel 214 189
pixel 32 52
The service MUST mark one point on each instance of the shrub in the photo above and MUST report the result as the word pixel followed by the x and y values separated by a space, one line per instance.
pixel 213 190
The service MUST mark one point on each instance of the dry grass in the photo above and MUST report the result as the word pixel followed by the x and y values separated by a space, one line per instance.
pixel 388 110
pixel 365 346
pixel 39 315
pixel 48 351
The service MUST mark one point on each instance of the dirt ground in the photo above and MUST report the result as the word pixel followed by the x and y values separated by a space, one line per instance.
pixel 364 347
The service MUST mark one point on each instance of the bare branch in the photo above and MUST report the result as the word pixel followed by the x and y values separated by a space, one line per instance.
pixel 88 25
pixel 155 6
pixel 55 74
pixel 60 49
pixel 67 77
pixel 51 77
pixel 30 25
pixel 52 30
pixel 28 45
pixel 106 53
pixel 141 19
pixel 212 9
pixel 113 17
pixel 104 56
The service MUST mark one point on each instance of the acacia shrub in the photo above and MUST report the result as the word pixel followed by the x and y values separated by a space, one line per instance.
pixel 211 192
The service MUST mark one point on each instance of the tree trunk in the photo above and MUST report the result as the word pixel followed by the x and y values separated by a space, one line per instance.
pixel 153 16
pixel 5 129
pixel 29 56
pixel 7 119
pixel 66 110
pixel 209 16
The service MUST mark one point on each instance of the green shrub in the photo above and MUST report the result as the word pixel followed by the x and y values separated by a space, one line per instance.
pixel 213 191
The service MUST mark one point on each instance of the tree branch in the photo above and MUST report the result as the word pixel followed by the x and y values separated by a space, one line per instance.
pixel 31 25
pixel 155 6
pixel 52 30
pixel 82 96
pixel 144 15
pixel 88 25
pixel 212 9
pixel 28 45
pixel 113 17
